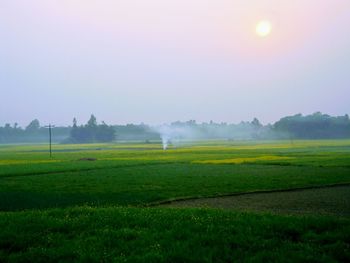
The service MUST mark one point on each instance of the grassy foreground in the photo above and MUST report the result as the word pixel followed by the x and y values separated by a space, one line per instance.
pixel 169 235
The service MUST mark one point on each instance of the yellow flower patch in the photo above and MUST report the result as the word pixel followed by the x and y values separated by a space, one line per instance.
pixel 15 162
pixel 245 160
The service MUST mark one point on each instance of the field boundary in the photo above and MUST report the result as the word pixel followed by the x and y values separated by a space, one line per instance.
pixel 169 201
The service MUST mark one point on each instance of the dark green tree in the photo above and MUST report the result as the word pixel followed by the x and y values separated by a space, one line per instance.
pixel 91 132
pixel 92 122
pixel 33 126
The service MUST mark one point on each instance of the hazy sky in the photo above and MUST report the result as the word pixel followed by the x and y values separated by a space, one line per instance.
pixel 155 61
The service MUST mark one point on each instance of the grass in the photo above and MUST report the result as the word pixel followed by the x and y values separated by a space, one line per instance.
pixel 68 209
pixel 169 235
pixel 139 185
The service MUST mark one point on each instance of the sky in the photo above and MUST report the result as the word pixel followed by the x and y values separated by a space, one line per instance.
pixel 156 61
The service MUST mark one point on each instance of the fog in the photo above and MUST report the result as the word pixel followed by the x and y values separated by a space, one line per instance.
pixel 160 61
pixel 179 133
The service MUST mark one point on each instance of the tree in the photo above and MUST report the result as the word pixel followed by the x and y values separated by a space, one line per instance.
pixel 256 123
pixel 74 133
pixel 105 133
pixel 33 126
pixel 74 123
pixel 92 122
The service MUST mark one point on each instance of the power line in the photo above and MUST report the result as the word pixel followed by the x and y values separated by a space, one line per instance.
pixel 50 137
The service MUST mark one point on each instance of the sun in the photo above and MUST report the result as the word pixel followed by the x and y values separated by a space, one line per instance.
pixel 263 28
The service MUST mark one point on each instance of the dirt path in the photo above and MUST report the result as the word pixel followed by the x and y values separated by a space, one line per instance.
pixel 333 201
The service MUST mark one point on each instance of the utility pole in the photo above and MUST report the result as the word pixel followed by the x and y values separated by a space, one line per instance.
pixel 50 137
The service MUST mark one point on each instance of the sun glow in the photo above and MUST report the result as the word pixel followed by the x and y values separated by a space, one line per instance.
pixel 263 28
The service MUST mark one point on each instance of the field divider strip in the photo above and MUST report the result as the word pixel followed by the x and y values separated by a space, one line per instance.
pixel 181 199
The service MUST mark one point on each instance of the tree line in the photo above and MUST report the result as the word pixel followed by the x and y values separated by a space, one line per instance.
pixel 314 126
pixel 33 132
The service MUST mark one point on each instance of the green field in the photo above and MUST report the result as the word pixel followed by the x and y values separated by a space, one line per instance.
pixel 98 202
